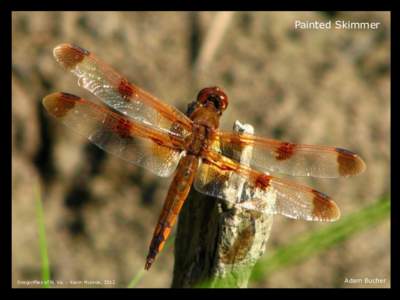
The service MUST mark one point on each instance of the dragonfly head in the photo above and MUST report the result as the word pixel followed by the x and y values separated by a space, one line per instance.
pixel 214 96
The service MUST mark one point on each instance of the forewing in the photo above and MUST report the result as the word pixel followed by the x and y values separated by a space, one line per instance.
pixel 275 156
pixel 114 90
pixel 116 134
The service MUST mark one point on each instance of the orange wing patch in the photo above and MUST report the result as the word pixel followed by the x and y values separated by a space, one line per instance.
pixel 59 104
pixel 69 56
pixel 117 134
pixel 262 192
pixel 349 163
pixel 270 155
pixel 114 90
pixel 285 151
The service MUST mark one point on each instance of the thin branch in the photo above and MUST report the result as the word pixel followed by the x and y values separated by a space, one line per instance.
pixel 213 40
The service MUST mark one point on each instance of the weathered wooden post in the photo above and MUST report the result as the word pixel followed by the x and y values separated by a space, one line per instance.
pixel 217 244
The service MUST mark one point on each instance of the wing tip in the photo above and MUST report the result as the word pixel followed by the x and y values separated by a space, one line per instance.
pixel 325 209
pixel 58 104
pixel 350 164
pixel 69 55
pixel 335 212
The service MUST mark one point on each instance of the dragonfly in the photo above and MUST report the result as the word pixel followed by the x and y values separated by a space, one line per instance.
pixel 137 127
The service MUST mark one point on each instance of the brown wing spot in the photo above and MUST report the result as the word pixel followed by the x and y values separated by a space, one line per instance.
pixel 125 89
pixel 124 128
pixel 262 181
pixel 324 208
pixel 285 151
pixel 349 163
pixel 69 55
pixel 119 125
pixel 59 104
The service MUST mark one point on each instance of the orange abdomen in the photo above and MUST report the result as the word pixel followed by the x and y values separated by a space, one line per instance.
pixel 177 194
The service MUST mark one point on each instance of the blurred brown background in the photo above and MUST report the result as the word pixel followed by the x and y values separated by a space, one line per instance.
pixel 311 86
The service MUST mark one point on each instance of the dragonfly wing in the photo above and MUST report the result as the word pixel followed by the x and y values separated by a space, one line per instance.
pixel 275 156
pixel 221 177
pixel 114 90
pixel 116 134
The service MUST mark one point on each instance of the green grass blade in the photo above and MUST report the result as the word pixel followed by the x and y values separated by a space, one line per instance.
pixel 320 240
pixel 42 238
pixel 136 279
pixel 310 244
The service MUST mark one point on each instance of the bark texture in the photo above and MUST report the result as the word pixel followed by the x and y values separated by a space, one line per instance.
pixel 218 244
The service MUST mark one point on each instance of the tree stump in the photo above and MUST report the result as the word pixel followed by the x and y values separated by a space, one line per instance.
pixel 217 244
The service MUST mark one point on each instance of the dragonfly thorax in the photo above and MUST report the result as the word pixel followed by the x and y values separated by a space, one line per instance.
pixel 200 139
